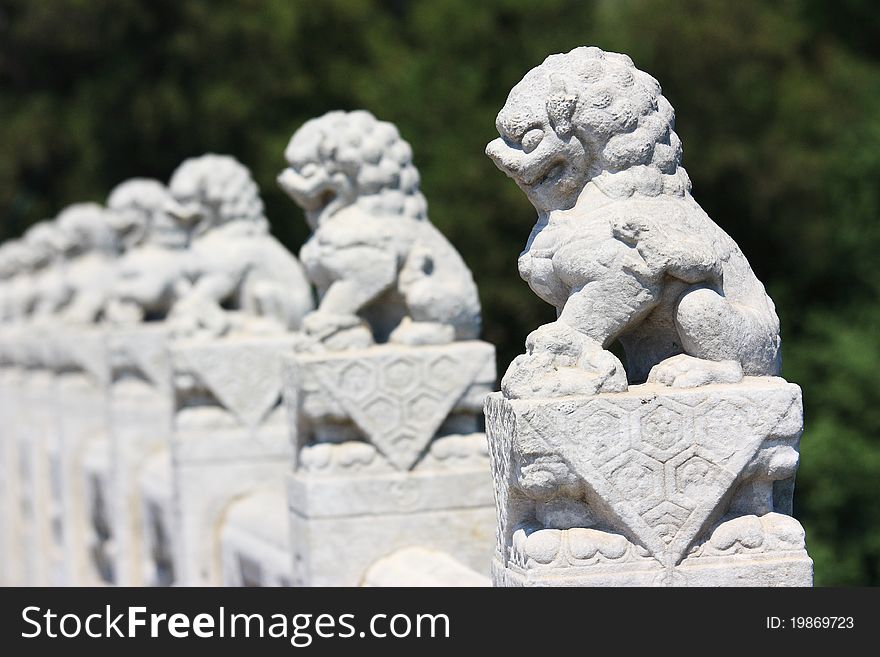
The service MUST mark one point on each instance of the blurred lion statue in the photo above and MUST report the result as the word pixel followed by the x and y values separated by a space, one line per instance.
pixel 383 271
pixel 621 248
pixel 243 279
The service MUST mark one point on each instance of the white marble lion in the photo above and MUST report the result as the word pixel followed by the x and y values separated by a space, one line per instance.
pixel 383 271
pixel 621 248
pixel 243 278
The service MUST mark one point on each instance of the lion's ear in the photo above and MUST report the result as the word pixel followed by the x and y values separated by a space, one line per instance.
pixel 560 106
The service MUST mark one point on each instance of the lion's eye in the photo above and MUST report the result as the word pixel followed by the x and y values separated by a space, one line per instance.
pixel 531 139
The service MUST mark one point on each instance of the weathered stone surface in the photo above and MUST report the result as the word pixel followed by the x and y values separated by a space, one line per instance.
pixel 386 392
pixel 654 486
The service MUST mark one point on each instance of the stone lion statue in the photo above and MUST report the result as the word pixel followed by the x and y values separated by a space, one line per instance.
pixel 91 247
pixel 621 248
pixel 383 271
pixel 236 263
pixel 152 272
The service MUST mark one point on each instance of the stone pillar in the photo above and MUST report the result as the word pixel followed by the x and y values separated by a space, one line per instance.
pixel 36 436
pixel 97 486
pixel 654 486
pixel 255 540
pixel 141 411
pixel 156 496
pixel 388 455
pixel 11 407
pixel 81 385
pixel 230 438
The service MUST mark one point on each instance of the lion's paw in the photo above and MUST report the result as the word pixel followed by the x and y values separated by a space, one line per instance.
pixel 334 332
pixel 560 362
pixel 422 333
pixel 683 371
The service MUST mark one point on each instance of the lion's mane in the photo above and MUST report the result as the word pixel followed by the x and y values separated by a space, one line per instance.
pixel 371 153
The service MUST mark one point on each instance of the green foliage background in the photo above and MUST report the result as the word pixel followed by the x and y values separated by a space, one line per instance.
pixel 778 106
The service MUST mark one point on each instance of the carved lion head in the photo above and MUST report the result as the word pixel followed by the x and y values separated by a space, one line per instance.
pixel 140 213
pixel 213 190
pixel 44 242
pixel 86 227
pixel 343 158
pixel 586 115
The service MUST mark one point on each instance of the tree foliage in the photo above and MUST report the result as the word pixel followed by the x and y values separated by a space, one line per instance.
pixel 777 106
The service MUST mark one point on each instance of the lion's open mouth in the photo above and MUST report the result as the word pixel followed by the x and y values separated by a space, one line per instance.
pixel 325 198
pixel 555 171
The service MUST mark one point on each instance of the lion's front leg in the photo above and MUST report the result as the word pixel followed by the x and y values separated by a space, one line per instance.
pixel 359 274
pixel 561 361
pixel 570 356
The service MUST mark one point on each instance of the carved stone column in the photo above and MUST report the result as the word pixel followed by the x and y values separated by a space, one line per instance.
pixel 230 438
pixel 141 411
pixel 388 455
pixel 82 377
pixel 36 436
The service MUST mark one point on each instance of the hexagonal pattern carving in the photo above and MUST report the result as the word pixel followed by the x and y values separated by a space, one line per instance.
pixel 404 438
pixel 721 423
pixel 605 433
pixel 392 392
pixel 355 380
pixel 662 432
pixel 667 518
pixel 697 478
pixel 441 372
pixel 382 410
pixel 638 478
pixel 400 375
pixel 422 405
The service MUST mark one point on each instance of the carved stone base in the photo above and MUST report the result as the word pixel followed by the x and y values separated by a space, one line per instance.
pixel 388 456
pixel 653 486
pixel 230 438
pixel 746 551
pixel 796 570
